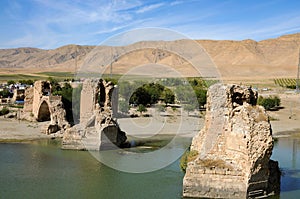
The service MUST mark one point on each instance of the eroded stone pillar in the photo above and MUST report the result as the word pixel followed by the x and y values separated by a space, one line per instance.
pixel 234 148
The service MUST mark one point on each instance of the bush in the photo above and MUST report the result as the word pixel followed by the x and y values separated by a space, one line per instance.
pixel 141 108
pixel 269 102
pixel 188 156
pixel 5 94
pixel 4 111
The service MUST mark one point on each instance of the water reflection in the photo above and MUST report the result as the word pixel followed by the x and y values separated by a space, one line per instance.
pixel 286 151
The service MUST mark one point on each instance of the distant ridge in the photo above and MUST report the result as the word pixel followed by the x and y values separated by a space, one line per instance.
pixel 271 57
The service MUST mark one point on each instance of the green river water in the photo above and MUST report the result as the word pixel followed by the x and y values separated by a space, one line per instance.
pixel 41 169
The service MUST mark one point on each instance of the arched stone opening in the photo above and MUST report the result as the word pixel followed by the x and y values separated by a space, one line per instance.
pixel 101 94
pixel 44 112
pixel 46 88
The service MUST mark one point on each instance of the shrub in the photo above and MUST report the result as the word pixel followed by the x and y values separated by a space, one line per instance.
pixel 141 108
pixel 188 156
pixel 4 111
pixel 269 102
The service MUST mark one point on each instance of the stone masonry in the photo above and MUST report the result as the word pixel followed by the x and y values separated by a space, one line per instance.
pixel 97 129
pixel 41 106
pixel 234 148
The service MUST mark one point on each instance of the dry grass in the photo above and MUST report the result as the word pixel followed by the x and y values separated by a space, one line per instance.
pixel 211 163
pixel 192 156
pixel 261 117
pixel 257 113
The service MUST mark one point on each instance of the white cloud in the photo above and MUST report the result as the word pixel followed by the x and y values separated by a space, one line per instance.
pixel 149 8
pixel 54 23
pixel 176 2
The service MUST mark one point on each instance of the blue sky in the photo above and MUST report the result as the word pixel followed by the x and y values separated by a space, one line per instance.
pixel 53 23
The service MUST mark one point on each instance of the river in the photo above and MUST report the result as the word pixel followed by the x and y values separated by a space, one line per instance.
pixel 41 169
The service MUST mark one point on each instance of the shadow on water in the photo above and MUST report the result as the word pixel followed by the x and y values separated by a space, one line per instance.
pixel 287 152
pixel 142 145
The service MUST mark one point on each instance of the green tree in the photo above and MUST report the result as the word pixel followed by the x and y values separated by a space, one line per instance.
pixel 201 96
pixel 66 94
pixel 5 93
pixel 27 82
pixel 9 82
pixel 55 86
pixel 140 96
pixel 168 96
pixel 141 108
pixel 148 94
pixel 155 91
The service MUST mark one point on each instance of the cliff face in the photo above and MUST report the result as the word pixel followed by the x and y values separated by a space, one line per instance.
pixel 272 57
pixel 234 148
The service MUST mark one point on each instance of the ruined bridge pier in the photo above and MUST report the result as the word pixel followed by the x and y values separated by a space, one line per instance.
pixel 234 148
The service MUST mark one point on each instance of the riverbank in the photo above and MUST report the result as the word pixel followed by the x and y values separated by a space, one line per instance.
pixel 12 130
pixel 284 121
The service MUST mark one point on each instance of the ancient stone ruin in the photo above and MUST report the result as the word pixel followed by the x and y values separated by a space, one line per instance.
pixel 234 148
pixel 19 95
pixel 40 105
pixel 97 129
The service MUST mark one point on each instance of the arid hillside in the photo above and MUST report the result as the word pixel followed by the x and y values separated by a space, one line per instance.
pixel 272 57
pixel 268 58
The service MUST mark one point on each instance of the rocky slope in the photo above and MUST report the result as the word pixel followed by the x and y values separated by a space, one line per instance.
pixel 272 57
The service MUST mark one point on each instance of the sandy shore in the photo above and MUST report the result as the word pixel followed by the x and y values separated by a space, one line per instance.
pixel 286 120
pixel 12 130
pixel 185 126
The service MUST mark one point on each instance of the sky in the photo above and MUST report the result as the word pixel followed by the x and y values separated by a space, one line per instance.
pixel 50 24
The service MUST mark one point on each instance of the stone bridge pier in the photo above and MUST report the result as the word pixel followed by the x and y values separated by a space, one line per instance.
pixel 234 148
pixel 41 106
pixel 97 129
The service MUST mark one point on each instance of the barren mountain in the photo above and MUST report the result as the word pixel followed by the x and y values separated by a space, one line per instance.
pixel 272 57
